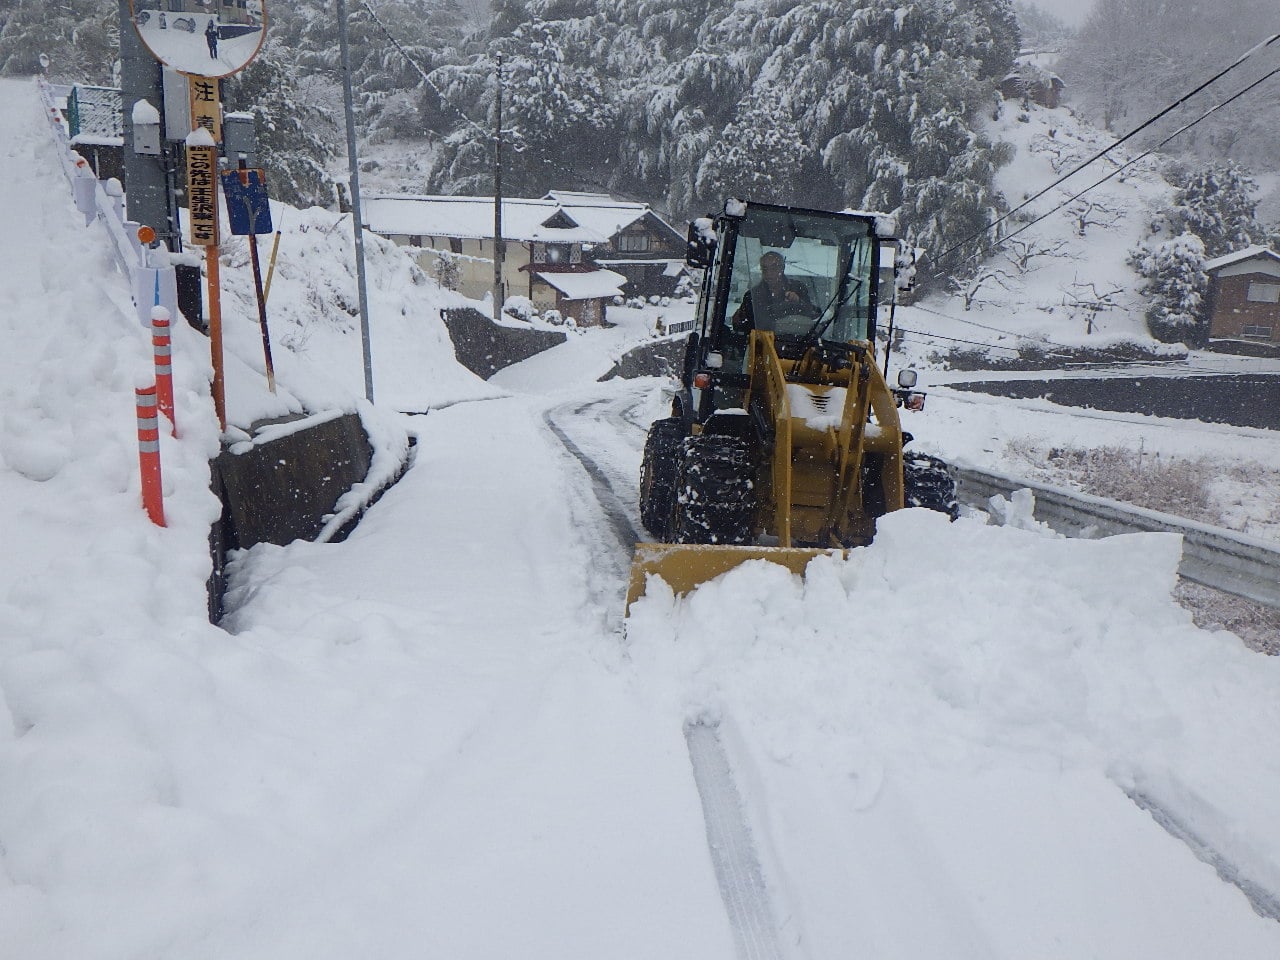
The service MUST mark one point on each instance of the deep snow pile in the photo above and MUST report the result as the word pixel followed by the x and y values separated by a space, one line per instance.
pixel 313 315
pixel 942 660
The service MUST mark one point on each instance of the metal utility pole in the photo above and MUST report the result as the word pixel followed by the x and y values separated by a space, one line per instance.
pixel 499 246
pixel 353 164
pixel 146 180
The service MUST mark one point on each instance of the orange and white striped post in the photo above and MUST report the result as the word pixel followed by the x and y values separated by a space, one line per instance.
pixel 149 454
pixel 163 349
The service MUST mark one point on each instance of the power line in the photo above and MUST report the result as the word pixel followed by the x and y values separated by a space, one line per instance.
pixel 983 326
pixel 1102 153
pixel 426 78
pixel 1141 156
pixel 929 337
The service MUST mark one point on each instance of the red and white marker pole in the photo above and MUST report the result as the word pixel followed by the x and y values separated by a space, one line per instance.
pixel 163 349
pixel 149 454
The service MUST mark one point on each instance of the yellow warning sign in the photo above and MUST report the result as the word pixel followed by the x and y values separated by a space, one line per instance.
pixel 206 109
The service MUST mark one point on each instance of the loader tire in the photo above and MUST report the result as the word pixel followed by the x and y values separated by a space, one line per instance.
pixel 658 474
pixel 927 482
pixel 714 491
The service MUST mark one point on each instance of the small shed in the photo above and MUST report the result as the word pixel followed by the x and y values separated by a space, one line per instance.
pixel 1243 301
pixel 96 127
pixel 1033 83
pixel 582 294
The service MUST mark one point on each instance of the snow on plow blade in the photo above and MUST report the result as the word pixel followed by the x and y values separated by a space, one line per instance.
pixel 686 565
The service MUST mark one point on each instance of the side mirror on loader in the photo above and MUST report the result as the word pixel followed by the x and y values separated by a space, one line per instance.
pixel 906 395
pixel 701 246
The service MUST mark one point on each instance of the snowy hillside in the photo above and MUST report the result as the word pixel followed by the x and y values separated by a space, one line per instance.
pixel 1062 280
pixel 437 739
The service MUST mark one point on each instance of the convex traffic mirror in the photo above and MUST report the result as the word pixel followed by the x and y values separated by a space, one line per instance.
pixel 203 38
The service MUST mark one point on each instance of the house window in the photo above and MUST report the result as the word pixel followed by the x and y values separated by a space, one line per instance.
pixel 633 243
pixel 1254 332
pixel 1264 293
pixel 455 244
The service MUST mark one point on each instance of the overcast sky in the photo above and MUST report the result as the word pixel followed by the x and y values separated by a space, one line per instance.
pixel 1070 12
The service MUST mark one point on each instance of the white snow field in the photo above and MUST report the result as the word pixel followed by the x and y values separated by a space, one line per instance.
pixel 437 739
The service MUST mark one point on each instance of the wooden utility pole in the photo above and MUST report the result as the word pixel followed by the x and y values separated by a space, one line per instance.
pixel 499 246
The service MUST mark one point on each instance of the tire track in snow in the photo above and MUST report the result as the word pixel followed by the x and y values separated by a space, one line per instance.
pixel 745 894
pixel 733 853
pixel 1265 904
pixel 621 520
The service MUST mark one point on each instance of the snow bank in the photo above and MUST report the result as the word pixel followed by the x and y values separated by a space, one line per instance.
pixel 943 654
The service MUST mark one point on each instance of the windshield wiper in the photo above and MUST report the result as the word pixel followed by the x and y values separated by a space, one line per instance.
pixel 820 327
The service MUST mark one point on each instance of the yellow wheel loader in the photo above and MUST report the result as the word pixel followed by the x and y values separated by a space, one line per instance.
pixel 784 439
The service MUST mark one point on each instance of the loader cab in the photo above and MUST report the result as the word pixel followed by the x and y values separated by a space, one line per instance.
pixel 826 291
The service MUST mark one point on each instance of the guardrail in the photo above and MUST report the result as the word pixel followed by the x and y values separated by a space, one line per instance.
pixel 150 273
pixel 668 328
pixel 1212 556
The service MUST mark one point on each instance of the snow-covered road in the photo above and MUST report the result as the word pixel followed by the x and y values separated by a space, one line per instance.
pixel 434 738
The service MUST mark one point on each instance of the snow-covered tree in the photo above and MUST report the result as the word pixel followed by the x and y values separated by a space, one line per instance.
pixel 295 138
pixel 387 54
pixel 1217 203
pixel 80 37
pixel 762 154
pixel 1175 283
pixel 1038 28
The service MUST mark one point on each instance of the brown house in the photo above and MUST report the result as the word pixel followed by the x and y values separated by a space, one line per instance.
pixel 1033 83
pixel 1243 302
pixel 566 251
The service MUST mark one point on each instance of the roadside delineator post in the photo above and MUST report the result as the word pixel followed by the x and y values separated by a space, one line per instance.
pixel 163 349
pixel 149 454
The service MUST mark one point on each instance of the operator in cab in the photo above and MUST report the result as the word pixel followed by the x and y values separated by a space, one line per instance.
pixel 775 296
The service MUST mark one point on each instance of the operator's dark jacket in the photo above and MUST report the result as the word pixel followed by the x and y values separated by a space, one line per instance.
pixel 770 305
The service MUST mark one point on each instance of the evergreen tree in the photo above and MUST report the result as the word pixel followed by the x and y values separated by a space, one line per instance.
pixel 1176 284
pixel 1216 203
pixel 385 75
pixel 295 139
pixel 761 154
pixel 80 37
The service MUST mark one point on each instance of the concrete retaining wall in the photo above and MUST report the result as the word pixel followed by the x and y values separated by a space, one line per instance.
pixel 284 485
pixel 485 347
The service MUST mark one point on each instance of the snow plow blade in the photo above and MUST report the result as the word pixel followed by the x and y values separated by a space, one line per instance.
pixel 685 566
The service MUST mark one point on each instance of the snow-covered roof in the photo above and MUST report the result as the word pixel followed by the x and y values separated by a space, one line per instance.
pixel 93 113
pixel 585 286
pixel 1248 253
pixel 577 218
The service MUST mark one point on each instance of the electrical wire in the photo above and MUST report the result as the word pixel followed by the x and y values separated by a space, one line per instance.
pixel 1142 156
pixel 426 78
pixel 983 326
pixel 1102 153
pixel 929 337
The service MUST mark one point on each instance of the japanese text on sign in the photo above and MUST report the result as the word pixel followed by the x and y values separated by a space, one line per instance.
pixel 202 194
pixel 206 110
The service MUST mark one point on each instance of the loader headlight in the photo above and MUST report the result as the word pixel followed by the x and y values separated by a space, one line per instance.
pixel 715 360
pixel 702 381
